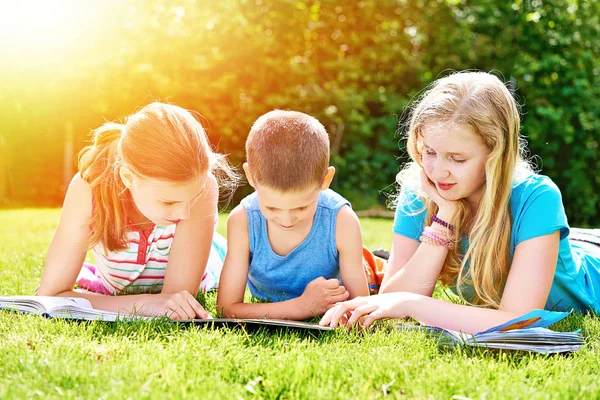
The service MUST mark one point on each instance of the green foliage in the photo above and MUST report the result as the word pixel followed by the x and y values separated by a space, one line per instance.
pixel 355 66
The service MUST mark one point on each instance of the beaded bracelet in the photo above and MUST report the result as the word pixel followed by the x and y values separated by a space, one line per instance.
pixel 427 239
pixel 439 237
pixel 443 223
pixel 443 234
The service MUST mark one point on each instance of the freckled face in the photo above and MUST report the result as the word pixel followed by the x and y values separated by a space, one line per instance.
pixel 454 158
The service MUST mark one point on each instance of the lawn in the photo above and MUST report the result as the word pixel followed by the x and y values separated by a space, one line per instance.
pixel 41 358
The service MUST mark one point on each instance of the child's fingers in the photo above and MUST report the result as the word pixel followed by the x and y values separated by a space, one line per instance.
pixel 326 319
pixel 177 314
pixel 196 309
pixel 339 310
pixel 187 311
pixel 340 297
pixel 331 283
pixel 374 316
pixel 201 312
pixel 359 312
pixel 332 315
pixel 338 290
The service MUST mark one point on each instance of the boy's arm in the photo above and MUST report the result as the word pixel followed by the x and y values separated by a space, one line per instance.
pixel 318 296
pixel 349 244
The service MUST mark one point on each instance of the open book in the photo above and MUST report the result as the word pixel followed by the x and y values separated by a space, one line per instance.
pixel 60 307
pixel 528 332
pixel 81 309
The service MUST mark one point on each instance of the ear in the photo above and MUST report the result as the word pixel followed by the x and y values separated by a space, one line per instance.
pixel 248 174
pixel 328 178
pixel 126 177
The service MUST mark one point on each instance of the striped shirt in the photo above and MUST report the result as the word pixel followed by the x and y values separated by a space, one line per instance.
pixel 141 266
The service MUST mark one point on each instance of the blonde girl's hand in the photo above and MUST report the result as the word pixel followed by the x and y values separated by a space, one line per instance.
pixel 368 309
pixel 177 306
pixel 447 207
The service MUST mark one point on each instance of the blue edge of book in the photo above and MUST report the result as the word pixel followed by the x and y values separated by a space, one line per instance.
pixel 528 332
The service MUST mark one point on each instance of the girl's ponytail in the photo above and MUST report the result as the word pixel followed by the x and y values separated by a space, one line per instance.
pixel 99 166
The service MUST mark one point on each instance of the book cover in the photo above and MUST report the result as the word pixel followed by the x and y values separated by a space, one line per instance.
pixel 528 332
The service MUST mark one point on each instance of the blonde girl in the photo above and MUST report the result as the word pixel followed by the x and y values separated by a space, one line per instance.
pixel 472 214
pixel 145 202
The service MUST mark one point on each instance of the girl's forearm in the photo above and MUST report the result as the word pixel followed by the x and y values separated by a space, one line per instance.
pixel 419 274
pixel 468 319
pixel 128 304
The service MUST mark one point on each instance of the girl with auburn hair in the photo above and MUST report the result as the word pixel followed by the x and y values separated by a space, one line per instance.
pixel 472 214
pixel 145 201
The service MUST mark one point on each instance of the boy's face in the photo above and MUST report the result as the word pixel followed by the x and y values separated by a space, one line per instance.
pixel 290 210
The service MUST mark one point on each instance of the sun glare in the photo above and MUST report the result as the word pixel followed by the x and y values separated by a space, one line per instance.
pixel 33 30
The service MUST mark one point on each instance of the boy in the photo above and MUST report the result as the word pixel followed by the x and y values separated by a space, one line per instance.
pixel 293 237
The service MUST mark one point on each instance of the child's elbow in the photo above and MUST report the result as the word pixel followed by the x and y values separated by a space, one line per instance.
pixel 224 309
pixel 42 290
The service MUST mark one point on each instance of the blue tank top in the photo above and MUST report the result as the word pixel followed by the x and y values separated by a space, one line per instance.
pixel 272 277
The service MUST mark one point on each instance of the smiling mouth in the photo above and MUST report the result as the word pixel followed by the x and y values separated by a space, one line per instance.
pixel 445 186
pixel 174 221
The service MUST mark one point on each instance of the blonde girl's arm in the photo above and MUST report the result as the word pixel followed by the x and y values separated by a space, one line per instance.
pixel 67 252
pixel 413 266
pixel 318 297
pixel 526 289
pixel 349 244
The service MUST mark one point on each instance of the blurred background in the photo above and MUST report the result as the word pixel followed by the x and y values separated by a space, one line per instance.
pixel 67 66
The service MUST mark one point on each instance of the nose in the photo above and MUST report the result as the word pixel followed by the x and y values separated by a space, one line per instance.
pixel 286 218
pixel 440 169
pixel 183 212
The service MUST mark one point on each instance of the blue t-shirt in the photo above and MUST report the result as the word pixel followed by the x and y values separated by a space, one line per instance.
pixel 273 277
pixel 537 210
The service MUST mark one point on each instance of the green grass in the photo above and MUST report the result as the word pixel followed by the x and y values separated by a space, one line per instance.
pixel 41 358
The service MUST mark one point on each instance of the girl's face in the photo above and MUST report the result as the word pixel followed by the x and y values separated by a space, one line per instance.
pixel 454 158
pixel 165 202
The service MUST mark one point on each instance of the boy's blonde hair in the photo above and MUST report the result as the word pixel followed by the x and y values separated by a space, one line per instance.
pixel 288 151
pixel 479 100
pixel 161 141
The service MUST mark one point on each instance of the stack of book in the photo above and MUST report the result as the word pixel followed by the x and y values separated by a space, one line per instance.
pixel 528 333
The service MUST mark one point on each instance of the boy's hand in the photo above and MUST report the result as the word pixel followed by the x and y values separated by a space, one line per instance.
pixel 321 294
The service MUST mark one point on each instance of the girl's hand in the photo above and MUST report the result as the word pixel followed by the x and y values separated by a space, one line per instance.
pixel 447 207
pixel 368 309
pixel 177 306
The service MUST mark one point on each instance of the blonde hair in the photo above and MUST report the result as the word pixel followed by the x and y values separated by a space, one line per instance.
pixel 481 101
pixel 288 150
pixel 161 141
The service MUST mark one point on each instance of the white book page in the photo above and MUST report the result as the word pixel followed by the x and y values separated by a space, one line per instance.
pixel 41 304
